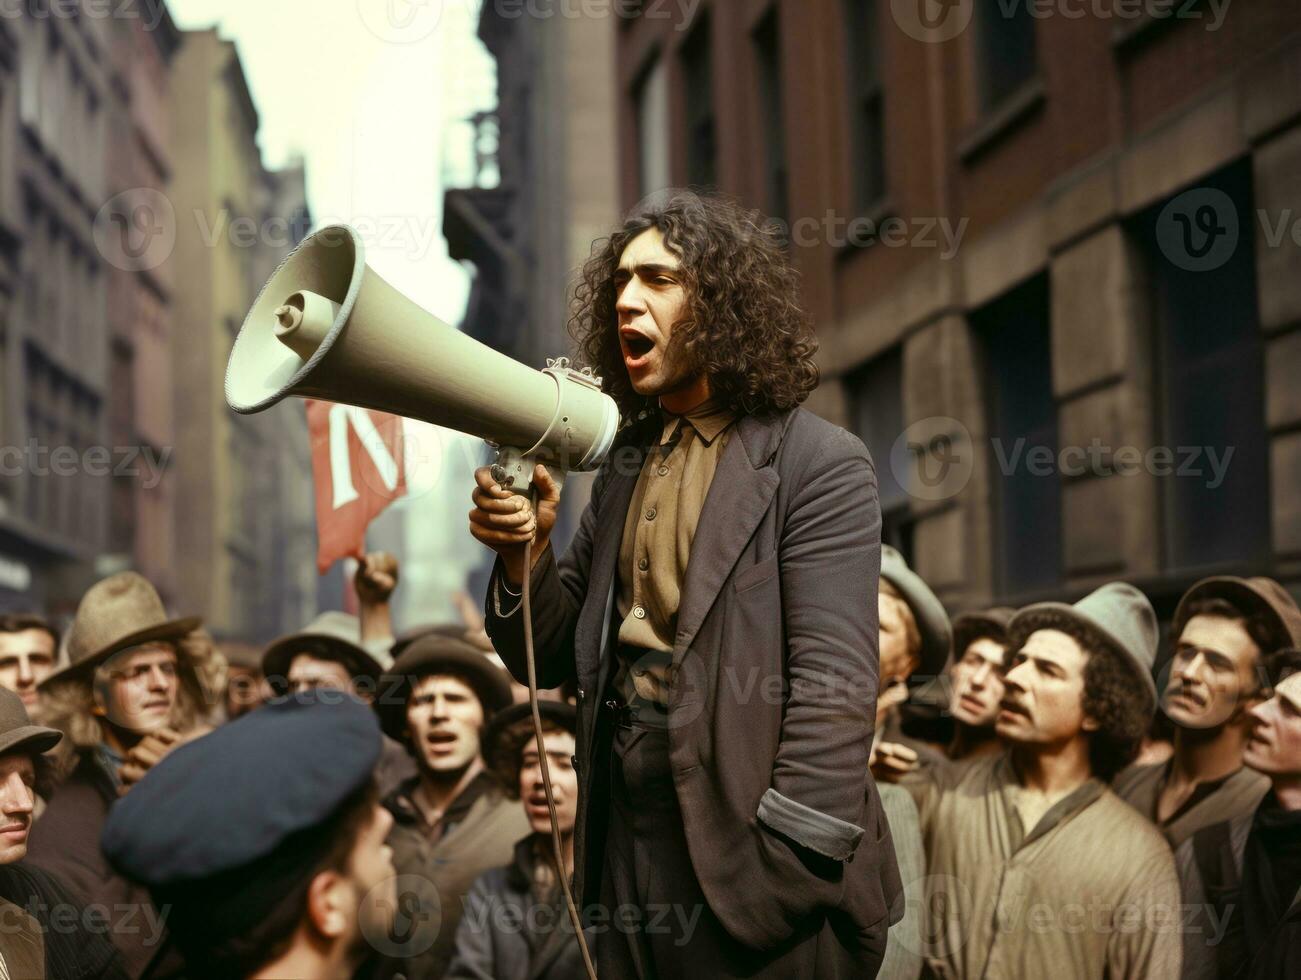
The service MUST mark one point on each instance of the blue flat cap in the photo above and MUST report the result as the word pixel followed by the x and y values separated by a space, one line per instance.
pixel 233 796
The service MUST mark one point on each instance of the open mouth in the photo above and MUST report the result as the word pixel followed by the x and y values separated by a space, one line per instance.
pixel 1012 708
pixel 636 344
pixel 441 739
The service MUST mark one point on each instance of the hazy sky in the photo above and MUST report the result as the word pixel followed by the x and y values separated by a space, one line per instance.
pixel 370 93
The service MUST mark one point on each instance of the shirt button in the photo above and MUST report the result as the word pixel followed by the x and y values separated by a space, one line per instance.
pixel 643 564
pixel 663 471
pixel 650 514
pixel 639 612
pixel 582 695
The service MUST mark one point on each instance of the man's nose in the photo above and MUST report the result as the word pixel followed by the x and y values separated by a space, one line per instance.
pixel 1190 670
pixel 159 679
pixel 630 299
pixel 980 677
pixel 25 675
pixel 17 798
pixel 1013 678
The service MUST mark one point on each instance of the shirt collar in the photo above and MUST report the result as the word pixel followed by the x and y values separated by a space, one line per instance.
pixel 1060 812
pixel 708 419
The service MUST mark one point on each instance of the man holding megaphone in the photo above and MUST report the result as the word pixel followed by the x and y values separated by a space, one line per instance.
pixel 717 608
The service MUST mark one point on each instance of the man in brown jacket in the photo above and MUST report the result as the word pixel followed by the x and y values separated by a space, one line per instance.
pixel 1222 628
pixel 453 820
pixel 1036 868
pixel 717 609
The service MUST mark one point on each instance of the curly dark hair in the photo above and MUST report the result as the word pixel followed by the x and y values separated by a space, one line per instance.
pixel 1114 697
pixel 743 325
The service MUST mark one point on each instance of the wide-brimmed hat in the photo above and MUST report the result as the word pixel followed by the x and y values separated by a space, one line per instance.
pixel 17 733
pixel 1117 615
pixel 332 636
pixel 439 653
pixel 928 611
pixel 119 612
pixel 503 738
pixel 1259 595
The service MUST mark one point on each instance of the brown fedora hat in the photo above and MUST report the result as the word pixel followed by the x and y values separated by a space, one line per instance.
pixel 17 733
pixel 332 635
pixel 121 611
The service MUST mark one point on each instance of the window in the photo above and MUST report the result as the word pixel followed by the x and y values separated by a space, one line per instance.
pixel 651 96
pixel 1015 332
pixel 1209 377
pixel 866 104
pixel 702 152
pixel 767 53
pixel 876 391
pixel 1005 49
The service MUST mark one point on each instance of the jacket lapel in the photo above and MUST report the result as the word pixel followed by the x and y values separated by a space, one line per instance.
pixel 739 496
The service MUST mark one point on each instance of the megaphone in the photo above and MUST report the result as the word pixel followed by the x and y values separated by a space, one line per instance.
pixel 326 326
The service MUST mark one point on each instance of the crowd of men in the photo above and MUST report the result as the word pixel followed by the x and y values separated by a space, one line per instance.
pixel 349 803
pixel 770 752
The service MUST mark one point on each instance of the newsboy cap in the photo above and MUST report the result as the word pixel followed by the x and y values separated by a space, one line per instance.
pixel 233 796
pixel 1253 596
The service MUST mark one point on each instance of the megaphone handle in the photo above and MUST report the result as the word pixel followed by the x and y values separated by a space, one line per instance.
pixel 574 917
pixel 513 470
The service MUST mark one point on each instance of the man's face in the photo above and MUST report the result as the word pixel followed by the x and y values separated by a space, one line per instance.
pixel 141 688
pixel 1275 745
pixel 978 683
pixel 373 877
pixel 444 718
pixel 650 301
pixel 564 782
pixel 1212 674
pixel 1043 696
pixel 246 689
pixel 310 673
pixel 26 659
pixel 17 799
pixel 897 633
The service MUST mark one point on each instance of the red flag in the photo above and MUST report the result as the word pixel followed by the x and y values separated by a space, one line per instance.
pixel 358 470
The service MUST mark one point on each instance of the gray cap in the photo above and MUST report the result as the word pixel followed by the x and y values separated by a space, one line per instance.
pixel 927 610
pixel 1117 614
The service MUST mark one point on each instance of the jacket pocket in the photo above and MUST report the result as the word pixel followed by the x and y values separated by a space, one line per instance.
pixel 755 575
pixel 820 832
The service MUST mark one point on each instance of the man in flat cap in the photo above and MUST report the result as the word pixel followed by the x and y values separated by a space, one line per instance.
pixel 1222 628
pixel 329 653
pixel 1247 871
pixel 516 925
pixel 1034 865
pixel 453 820
pixel 31 945
pixel 139 682
pixel 305 886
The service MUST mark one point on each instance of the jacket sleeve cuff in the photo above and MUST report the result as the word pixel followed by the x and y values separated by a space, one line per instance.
pixel 502 592
pixel 819 832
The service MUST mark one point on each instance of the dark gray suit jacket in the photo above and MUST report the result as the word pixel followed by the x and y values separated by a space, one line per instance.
pixel 774 690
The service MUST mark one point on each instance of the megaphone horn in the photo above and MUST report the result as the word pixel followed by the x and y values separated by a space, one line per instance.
pixel 326 326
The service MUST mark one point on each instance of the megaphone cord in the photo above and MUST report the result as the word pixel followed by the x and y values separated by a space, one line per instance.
pixel 542 756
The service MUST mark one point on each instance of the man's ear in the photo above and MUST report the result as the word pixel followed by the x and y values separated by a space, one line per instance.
pixel 327 904
pixel 1090 724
